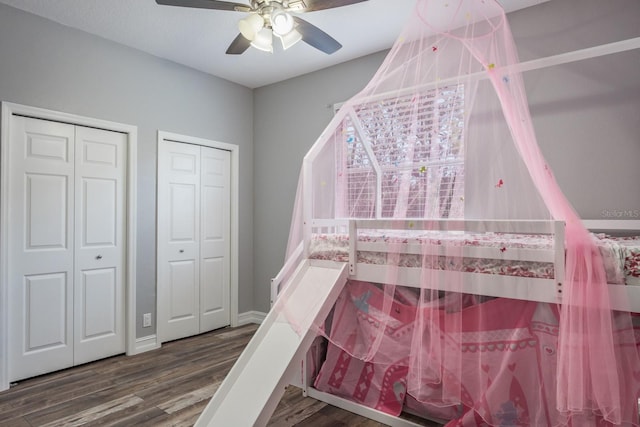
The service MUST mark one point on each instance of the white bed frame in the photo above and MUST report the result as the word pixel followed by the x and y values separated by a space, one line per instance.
pixel 623 297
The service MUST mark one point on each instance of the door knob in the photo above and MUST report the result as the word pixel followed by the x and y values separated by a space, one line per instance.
pixel 181 251
pixel 99 257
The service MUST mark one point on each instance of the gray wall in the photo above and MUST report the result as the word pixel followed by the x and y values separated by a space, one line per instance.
pixel 43 64
pixel 586 115
pixel 288 118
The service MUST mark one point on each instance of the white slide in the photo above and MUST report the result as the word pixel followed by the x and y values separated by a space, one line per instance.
pixel 254 386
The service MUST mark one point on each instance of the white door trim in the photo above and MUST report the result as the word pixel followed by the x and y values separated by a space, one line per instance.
pixel 7 110
pixel 235 174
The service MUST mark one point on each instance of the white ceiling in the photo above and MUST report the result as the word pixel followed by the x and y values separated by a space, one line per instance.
pixel 198 38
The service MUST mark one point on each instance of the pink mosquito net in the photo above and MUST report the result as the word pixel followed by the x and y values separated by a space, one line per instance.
pixel 439 140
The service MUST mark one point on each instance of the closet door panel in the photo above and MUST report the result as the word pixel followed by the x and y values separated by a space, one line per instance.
pixel 41 255
pixel 215 244
pixel 100 212
pixel 99 240
pixel 212 297
pixel 183 294
pixel 178 240
pixel 45 293
pixel 99 320
pixel 182 216
pixel 46 209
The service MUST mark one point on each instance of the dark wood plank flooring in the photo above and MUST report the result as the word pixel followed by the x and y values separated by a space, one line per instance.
pixel 165 387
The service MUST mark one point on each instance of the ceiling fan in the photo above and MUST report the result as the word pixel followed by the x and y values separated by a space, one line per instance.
pixel 269 17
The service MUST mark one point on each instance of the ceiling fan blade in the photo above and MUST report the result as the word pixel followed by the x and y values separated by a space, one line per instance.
pixel 238 45
pixel 207 4
pixel 316 37
pixel 313 5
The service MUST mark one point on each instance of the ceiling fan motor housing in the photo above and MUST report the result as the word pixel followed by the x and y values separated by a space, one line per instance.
pixel 268 17
pixel 288 5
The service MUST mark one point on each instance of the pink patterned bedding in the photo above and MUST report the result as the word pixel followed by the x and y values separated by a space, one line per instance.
pixel 621 254
pixel 625 253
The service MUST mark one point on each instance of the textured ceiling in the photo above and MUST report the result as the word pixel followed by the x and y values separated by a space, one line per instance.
pixel 198 38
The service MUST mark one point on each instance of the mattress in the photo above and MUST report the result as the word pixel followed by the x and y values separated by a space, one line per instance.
pixel 621 255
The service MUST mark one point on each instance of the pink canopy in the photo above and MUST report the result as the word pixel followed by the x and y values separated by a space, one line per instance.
pixel 443 131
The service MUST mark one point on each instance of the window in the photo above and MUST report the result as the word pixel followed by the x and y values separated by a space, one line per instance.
pixel 404 157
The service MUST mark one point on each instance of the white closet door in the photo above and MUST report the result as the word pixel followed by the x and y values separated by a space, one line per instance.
pixel 99 244
pixel 214 242
pixel 178 240
pixel 41 255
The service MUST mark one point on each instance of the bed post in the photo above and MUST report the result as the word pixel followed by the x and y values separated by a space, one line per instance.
pixel 353 237
pixel 559 249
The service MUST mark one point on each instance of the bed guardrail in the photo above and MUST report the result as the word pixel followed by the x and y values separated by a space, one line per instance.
pixel 326 226
pixel 548 290
pixel 330 226
pixel 554 255
pixel 285 272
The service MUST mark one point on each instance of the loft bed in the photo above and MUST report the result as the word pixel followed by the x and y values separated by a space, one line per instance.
pixel 505 260
pixel 411 146
pixel 518 260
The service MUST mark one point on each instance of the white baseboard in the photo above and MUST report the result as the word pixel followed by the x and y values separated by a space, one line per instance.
pixel 148 343
pixel 251 317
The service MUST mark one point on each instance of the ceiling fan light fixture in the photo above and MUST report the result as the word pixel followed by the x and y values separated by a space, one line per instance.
pixel 275 16
pixel 281 22
pixel 251 26
pixel 263 40
pixel 289 39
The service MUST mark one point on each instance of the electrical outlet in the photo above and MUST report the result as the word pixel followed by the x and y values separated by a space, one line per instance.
pixel 146 320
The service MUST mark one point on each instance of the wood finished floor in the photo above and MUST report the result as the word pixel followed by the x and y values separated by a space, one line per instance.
pixel 165 387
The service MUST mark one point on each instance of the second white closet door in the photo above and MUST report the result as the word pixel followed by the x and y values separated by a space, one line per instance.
pixel 178 235
pixel 193 239
pixel 215 234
